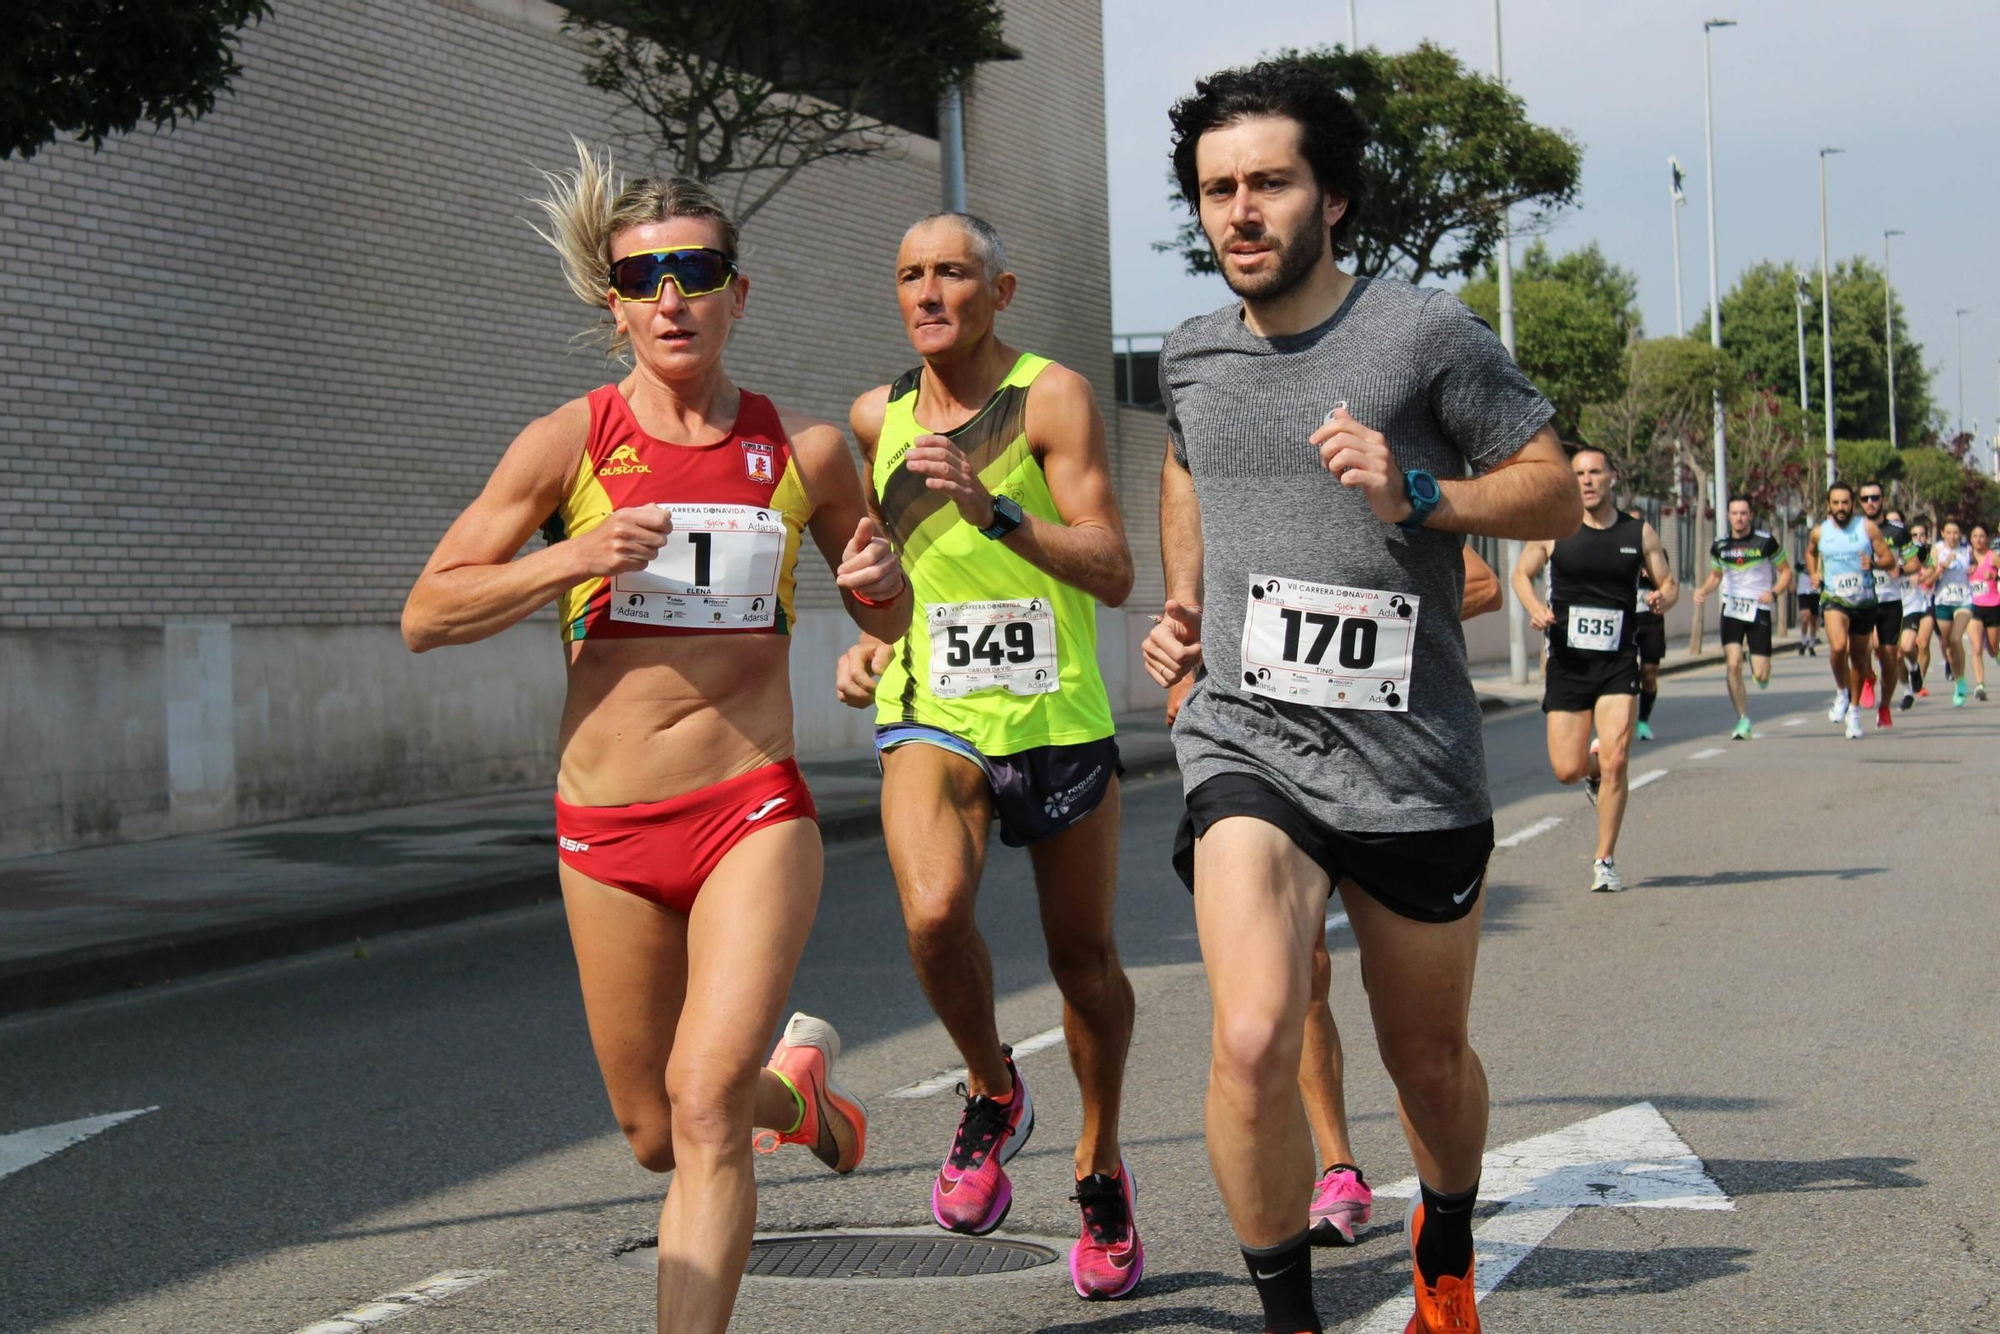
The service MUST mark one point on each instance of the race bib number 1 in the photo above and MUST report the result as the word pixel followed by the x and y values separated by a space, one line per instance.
pixel 1329 646
pixel 1008 646
pixel 718 570
pixel 1739 609
pixel 1594 629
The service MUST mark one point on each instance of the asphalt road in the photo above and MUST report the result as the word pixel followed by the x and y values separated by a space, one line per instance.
pixel 1801 982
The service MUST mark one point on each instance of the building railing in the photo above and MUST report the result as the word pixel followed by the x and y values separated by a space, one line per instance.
pixel 1135 369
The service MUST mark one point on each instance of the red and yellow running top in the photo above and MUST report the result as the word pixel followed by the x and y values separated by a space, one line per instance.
pixel 739 508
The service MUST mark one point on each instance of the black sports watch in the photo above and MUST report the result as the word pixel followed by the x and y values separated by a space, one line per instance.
pixel 1006 518
pixel 1424 493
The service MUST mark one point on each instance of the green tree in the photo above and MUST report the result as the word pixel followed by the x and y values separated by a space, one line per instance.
pixel 1770 454
pixel 1760 332
pixel 1933 481
pixel 1866 461
pixel 759 90
pixel 1452 151
pixel 92 68
pixel 1573 317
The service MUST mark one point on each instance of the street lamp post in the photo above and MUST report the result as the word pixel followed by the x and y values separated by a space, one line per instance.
pixel 1517 634
pixel 1958 317
pixel 1714 281
pixel 1801 303
pixel 1889 329
pixel 1353 30
pixel 1676 201
pixel 1826 318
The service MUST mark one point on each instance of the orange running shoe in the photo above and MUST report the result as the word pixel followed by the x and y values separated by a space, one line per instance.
pixel 1446 1308
pixel 834 1124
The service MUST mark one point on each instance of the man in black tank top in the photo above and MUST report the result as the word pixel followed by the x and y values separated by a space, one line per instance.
pixel 1649 636
pixel 1593 672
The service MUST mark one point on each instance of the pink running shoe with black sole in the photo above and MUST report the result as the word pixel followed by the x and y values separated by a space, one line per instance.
pixel 1108 1259
pixel 971 1193
pixel 1342 1207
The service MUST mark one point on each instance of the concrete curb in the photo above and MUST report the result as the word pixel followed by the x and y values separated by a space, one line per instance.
pixel 100 970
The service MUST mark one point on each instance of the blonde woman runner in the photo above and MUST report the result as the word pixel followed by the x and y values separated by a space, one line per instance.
pixel 690 856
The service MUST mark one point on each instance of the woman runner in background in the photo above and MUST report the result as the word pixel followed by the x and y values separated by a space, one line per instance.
pixel 690 855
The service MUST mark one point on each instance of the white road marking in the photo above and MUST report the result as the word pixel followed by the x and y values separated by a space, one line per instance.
pixel 1793 722
pixel 25 1148
pixel 1336 920
pixel 396 1305
pixel 1645 778
pixel 1535 830
pixel 924 1088
pixel 1630 1158
pixel 1708 754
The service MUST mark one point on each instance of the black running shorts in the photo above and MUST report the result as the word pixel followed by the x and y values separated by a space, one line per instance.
pixel 1987 616
pixel 1649 636
pixel 1757 633
pixel 1036 793
pixel 1913 619
pixel 1432 876
pixel 1809 602
pixel 1575 683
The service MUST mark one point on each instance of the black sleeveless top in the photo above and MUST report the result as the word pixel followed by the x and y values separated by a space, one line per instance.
pixel 1597 568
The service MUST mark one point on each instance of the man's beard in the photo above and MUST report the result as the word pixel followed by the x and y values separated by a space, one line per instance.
pixel 1297 255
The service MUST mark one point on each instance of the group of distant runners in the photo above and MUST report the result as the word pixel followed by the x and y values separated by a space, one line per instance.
pixel 1333 440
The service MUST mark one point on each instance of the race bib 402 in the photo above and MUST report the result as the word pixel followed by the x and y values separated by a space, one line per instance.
pixel 1329 646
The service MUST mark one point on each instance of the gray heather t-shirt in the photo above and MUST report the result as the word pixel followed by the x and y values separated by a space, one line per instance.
pixel 1428 374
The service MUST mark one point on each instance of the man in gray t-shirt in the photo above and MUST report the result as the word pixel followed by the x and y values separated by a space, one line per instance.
pixel 1333 439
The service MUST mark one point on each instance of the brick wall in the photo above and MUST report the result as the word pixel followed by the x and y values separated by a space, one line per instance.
pixel 253 366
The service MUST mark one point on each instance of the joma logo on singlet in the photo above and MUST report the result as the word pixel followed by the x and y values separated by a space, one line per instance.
pixel 624 459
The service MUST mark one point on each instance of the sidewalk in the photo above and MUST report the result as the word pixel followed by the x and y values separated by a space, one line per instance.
pixel 98 920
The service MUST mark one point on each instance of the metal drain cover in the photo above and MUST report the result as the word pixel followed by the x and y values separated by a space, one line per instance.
pixel 887 1255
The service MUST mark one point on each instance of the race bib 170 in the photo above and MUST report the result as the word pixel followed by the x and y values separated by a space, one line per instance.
pixel 1329 646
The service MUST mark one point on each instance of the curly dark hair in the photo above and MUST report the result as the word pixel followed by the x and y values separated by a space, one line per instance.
pixel 1332 134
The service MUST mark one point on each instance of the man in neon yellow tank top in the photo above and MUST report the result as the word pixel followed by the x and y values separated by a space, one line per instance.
pixel 989 470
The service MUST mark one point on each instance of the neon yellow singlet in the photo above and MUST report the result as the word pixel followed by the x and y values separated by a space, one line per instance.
pixel 997 652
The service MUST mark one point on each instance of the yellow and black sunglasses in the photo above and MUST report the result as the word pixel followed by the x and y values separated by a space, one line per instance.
pixel 695 271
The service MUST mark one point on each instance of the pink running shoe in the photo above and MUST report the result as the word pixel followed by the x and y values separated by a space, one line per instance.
pixel 1868 693
pixel 971 1193
pixel 1108 1259
pixel 835 1124
pixel 1341 1207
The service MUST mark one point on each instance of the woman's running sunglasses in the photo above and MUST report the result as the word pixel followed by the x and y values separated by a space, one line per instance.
pixel 695 271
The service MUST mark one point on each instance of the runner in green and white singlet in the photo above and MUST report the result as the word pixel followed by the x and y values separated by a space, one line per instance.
pixel 990 472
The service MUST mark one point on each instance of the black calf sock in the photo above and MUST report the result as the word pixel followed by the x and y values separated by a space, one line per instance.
pixel 1444 1245
pixel 1646 698
pixel 1283 1275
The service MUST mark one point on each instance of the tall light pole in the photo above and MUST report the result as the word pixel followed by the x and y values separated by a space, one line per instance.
pixel 1676 201
pixel 1353 30
pixel 1958 316
pixel 1889 329
pixel 1517 635
pixel 1826 317
pixel 1714 281
pixel 1801 303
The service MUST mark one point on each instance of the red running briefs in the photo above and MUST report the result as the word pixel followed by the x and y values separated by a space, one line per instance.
pixel 665 850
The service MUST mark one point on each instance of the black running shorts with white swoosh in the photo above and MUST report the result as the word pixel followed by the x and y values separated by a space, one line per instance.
pixel 1431 876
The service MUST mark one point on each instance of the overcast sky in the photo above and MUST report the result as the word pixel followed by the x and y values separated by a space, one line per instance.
pixel 1907 88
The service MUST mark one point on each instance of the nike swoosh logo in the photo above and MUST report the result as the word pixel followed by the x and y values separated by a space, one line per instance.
pixel 1263 1277
pixel 1466 893
pixel 764 810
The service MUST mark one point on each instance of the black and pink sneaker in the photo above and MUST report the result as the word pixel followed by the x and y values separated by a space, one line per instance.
pixel 971 1193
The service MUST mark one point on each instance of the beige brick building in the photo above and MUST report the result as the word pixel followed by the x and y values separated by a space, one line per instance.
pixel 253 367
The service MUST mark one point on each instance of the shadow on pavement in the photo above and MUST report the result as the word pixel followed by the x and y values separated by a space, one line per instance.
pixel 1779 1176
pixel 1627 1273
pixel 1720 879
pixel 1168 1317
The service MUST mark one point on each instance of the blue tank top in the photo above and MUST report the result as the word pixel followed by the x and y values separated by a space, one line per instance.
pixel 1845 557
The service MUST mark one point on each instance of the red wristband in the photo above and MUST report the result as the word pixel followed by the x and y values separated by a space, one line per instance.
pixel 885 602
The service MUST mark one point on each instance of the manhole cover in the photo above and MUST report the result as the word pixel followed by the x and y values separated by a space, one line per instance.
pixel 886 1256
